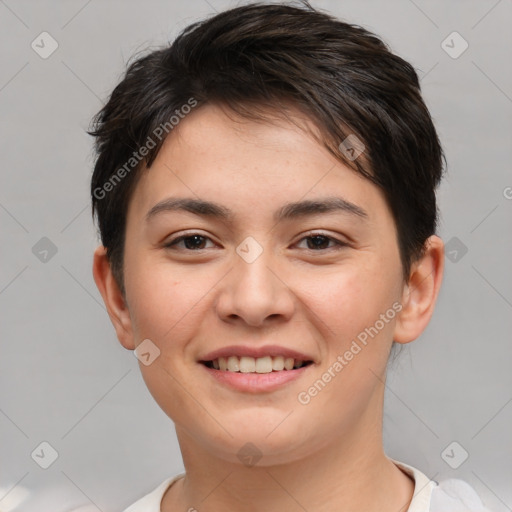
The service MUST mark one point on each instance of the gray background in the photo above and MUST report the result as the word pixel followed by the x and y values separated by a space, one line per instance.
pixel 66 380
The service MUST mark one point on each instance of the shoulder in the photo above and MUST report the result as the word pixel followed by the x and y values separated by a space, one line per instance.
pixel 151 502
pixel 455 495
pixel 451 495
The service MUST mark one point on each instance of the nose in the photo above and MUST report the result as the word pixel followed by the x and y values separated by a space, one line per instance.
pixel 255 292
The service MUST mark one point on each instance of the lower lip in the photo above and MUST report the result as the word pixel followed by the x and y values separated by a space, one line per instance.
pixel 256 382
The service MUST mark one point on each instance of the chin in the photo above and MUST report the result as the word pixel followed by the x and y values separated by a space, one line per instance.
pixel 277 444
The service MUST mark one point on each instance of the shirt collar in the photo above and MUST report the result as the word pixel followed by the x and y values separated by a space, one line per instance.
pixel 422 487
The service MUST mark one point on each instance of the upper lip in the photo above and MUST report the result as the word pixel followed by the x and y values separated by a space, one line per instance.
pixel 256 352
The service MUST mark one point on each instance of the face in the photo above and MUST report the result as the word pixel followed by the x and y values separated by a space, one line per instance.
pixel 258 278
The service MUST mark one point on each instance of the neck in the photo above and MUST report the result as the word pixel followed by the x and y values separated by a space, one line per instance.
pixel 350 473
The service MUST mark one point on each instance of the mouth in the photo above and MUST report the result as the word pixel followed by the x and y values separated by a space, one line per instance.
pixel 257 365
pixel 256 369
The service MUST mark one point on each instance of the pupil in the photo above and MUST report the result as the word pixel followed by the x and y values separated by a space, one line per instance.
pixel 320 239
pixel 196 238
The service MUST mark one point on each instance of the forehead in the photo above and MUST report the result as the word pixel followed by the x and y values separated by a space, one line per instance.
pixel 218 156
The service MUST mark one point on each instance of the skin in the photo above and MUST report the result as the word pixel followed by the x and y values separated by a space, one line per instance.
pixel 323 456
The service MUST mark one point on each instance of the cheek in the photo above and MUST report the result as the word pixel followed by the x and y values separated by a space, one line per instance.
pixel 165 299
pixel 167 310
pixel 347 310
pixel 348 300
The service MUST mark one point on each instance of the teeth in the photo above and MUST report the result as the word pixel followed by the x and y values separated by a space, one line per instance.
pixel 233 364
pixel 247 364
pixel 265 364
pixel 278 363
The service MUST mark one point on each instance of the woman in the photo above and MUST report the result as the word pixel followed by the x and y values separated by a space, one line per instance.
pixel 265 192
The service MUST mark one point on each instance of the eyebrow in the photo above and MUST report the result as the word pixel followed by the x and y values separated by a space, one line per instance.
pixel 288 211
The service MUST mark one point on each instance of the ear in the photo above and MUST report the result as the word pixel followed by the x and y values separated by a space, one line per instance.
pixel 113 298
pixel 420 293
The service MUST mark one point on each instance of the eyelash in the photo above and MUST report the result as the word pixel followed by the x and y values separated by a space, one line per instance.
pixel 338 243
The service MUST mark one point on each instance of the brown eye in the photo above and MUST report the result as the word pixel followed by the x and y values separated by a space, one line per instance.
pixel 319 242
pixel 191 242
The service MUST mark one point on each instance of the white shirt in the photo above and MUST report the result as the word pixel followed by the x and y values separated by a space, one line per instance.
pixel 451 495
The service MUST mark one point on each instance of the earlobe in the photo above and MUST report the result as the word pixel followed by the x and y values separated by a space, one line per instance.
pixel 421 292
pixel 112 297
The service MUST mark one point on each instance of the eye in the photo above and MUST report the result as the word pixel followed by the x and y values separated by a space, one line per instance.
pixel 196 241
pixel 319 242
pixel 192 242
